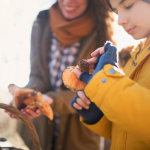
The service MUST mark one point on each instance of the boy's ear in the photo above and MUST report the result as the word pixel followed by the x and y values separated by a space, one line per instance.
pixel 124 56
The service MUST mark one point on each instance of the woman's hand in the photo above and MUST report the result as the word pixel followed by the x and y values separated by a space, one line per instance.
pixel 10 114
pixel 30 113
pixel 82 101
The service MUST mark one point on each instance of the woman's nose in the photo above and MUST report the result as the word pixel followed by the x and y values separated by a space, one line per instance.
pixel 122 19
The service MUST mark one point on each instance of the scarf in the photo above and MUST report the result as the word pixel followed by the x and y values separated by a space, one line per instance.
pixel 69 32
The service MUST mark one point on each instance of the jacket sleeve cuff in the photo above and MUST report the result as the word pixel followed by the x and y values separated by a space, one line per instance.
pixel 85 77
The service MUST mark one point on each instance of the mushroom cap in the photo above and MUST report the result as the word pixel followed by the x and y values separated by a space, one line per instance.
pixel 43 106
pixel 23 97
pixel 71 81
pixel 83 65
pixel 30 99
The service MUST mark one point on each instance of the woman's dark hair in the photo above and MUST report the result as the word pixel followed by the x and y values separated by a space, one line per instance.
pixel 104 21
pixel 108 4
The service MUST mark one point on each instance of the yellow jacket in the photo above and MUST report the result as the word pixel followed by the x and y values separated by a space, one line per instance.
pixel 125 102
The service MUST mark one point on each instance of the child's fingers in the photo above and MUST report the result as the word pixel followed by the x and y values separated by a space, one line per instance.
pixel 102 51
pixel 77 106
pixel 83 97
pixel 82 103
pixel 92 60
pixel 77 72
pixel 98 51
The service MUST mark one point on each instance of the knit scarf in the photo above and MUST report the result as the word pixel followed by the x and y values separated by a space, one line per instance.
pixel 69 32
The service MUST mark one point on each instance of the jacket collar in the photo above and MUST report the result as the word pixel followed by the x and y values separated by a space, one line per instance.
pixel 138 55
pixel 136 51
pixel 139 48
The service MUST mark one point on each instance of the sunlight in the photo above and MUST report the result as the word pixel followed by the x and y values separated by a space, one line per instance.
pixel 16 19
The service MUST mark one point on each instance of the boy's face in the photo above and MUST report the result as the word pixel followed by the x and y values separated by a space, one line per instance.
pixel 133 16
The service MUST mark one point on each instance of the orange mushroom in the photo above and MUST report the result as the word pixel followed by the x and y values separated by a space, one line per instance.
pixel 71 81
pixel 30 99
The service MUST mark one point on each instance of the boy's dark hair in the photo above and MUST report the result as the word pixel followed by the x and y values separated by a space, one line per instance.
pixel 109 6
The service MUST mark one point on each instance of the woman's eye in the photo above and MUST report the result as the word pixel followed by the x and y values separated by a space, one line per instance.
pixel 128 7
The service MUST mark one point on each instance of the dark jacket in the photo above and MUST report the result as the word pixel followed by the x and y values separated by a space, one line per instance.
pixel 73 134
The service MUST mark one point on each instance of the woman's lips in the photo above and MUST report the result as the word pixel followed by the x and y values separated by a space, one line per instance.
pixel 70 8
pixel 130 31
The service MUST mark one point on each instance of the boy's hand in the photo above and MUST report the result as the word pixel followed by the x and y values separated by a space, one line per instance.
pixel 83 106
pixel 81 101
pixel 87 109
pixel 77 72
pixel 99 61
pixel 98 51
pixel 95 54
pixel 92 61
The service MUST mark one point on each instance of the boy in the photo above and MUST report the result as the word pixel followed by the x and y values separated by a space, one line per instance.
pixel 123 99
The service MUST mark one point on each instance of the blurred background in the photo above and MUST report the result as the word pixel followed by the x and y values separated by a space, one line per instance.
pixel 16 19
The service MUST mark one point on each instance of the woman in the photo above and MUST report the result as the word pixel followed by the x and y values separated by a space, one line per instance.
pixel 61 36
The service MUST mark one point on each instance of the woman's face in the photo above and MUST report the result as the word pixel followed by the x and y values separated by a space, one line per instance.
pixel 133 16
pixel 72 9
